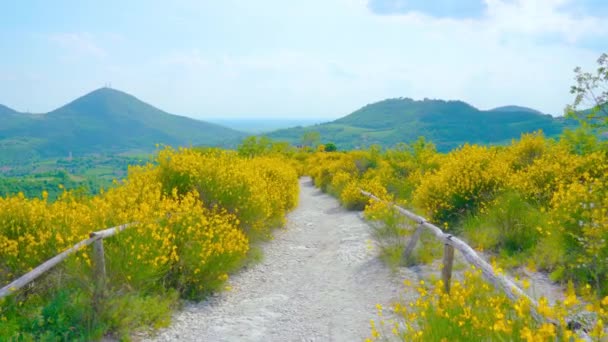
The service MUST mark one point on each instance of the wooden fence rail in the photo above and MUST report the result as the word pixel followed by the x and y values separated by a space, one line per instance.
pixel 501 282
pixel 95 238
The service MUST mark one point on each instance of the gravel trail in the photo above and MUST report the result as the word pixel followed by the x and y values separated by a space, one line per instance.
pixel 318 281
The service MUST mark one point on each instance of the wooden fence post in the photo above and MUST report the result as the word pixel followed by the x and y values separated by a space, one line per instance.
pixel 98 256
pixel 99 272
pixel 500 282
pixel 407 252
pixel 448 261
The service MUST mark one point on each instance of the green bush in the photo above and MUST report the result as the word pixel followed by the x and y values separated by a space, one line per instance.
pixel 510 224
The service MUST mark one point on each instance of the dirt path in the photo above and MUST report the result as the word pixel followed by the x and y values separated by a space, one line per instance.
pixel 318 281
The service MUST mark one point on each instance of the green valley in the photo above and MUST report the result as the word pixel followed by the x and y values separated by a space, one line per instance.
pixel 87 175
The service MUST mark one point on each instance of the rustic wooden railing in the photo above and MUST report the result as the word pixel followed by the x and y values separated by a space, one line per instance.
pixel 500 281
pixel 99 263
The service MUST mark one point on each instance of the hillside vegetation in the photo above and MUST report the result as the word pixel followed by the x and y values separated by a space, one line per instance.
pixel 88 175
pixel 537 204
pixel 449 124
pixel 197 211
pixel 522 201
pixel 103 121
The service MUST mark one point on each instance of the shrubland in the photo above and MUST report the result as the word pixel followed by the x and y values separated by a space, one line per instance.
pixel 196 214
pixel 474 311
pixel 536 203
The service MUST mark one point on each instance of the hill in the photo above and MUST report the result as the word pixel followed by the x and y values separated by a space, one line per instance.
pixel 448 124
pixel 4 110
pixel 103 121
pixel 515 109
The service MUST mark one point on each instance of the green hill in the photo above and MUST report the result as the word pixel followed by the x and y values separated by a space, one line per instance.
pixel 448 124
pixel 515 109
pixel 103 121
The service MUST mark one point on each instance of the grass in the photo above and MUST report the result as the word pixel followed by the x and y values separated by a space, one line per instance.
pixel 508 227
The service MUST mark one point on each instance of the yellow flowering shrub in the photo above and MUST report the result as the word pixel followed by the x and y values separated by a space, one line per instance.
pixel 32 231
pixel 467 180
pixel 534 202
pixel 345 174
pixel 474 311
pixel 520 201
pixel 177 239
pixel 323 167
pixel 194 214
pixel 523 152
pixel 408 165
pixel 540 179
pixel 257 190
pixel 352 198
pixel 579 223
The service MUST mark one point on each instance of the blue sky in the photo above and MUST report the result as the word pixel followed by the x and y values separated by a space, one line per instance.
pixel 298 59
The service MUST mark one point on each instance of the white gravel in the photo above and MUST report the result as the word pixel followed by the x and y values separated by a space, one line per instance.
pixel 318 281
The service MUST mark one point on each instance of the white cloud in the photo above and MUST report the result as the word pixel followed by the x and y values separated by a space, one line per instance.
pixel 540 18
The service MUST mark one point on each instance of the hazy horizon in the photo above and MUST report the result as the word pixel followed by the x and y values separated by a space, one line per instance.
pixel 254 116
pixel 237 59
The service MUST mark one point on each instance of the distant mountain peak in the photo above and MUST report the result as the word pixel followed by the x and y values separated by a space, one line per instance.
pixel 4 110
pixel 108 102
pixel 105 91
pixel 107 120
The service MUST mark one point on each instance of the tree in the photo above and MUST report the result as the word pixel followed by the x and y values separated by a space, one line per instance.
pixel 591 95
pixel 590 109
pixel 311 138
pixel 330 147
pixel 254 146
